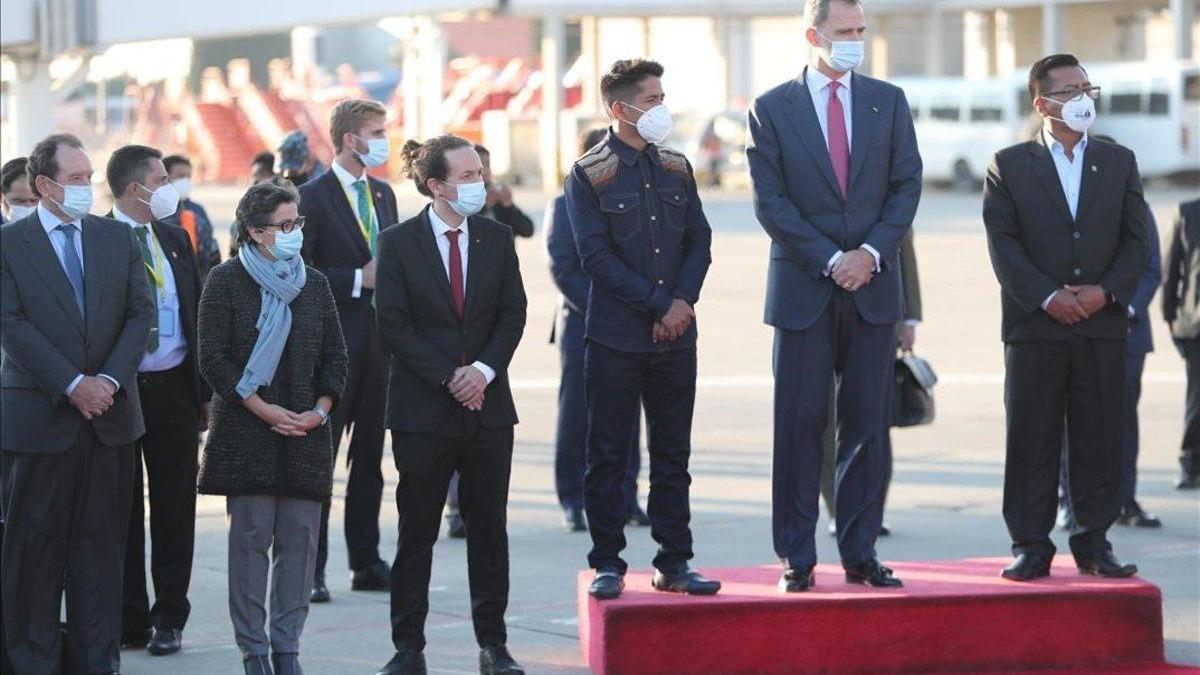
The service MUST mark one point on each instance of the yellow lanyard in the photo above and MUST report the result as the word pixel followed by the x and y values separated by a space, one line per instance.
pixel 157 272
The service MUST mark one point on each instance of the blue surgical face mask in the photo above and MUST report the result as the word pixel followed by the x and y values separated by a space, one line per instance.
pixel 843 55
pixel 287 244
pixel 376 154
pixel 77 200
pixel 471 198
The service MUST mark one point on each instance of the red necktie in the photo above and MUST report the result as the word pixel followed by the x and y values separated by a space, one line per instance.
pixel 839 144
pixel 456 271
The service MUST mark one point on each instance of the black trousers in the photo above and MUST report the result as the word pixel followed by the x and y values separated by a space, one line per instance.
pixel 169 452
pixel 483 459
pixel 66 516
pixel 859 356
pixel 665 384
pixel 361 412
pixel 1189 455
pixel 1081 381
pixel 570 438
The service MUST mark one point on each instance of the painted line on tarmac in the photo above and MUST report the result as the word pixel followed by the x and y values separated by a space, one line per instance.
pixel 762 381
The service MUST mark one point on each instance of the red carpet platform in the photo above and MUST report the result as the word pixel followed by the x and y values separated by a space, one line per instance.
pixel 951 616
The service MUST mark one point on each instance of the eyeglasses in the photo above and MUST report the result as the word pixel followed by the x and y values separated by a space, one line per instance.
pixel 1075 94
pixel 286 226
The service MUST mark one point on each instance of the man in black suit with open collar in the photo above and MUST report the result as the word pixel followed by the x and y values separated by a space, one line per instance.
pixel 346 209
pixel 75 314
pixel 1066 228
pixel 174 405
pixel 451 309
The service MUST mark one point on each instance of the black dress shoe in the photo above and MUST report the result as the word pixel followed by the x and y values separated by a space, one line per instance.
pixel 137 639
pixel 634 515
pixel 1105 565
pixel 320 592
pixel 574 520
pixel 871 573
pixel 1027 567
pixel 797 580
pixel 607 585
pixel 1134 516
pixel 685 580
pixel 258 665
pixel 165 641
pixel 377 577
pixel 1188 481
pixel 287 664
pixel 456 527
pixel 405 662
pixel 495 660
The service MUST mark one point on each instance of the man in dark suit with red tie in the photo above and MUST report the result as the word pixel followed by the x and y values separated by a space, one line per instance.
pixel 837 178
pixel 346 209
pixel 451 310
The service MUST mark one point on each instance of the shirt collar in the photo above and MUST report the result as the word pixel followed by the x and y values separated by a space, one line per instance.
pixel 1054 145
pixel 441 227
pixel 50 222
pixel 344 177
pixel 626 152
pixel 816 80
pixel 121 216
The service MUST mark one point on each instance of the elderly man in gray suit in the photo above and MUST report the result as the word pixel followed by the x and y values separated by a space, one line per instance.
pixel 75 315
pixel 837 177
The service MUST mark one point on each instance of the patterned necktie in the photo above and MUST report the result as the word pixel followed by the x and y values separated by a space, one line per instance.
pixel 456 271
pixel 143 234
pixel 72 265
pixel 839 142
pixel 365 221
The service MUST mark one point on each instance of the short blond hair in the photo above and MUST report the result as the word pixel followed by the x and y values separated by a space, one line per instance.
pixel 349 116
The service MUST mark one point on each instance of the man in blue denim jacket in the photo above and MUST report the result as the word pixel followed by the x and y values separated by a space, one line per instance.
pixel 644 243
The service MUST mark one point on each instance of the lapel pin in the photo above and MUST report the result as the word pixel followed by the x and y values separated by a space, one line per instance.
pixel 174 254
pixel 874 109
pixel 1094 169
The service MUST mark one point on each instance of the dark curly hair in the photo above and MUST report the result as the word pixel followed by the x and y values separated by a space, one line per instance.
pixel 259 203
pixel 423 161
pixel 623 80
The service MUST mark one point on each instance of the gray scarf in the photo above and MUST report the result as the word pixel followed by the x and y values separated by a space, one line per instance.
pixel 280 281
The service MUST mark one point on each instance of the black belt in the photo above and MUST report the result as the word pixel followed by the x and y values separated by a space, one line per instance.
pixel 161 377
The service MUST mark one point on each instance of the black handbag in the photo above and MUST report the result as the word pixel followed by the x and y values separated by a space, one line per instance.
pixel 912 391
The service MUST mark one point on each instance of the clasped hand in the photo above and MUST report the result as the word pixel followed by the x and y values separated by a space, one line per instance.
pixel 1073 304
pixel 853 270
pixel 468 385
pixel 93 396
pixel 674 323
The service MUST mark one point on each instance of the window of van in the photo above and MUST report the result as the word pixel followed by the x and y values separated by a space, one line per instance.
pixel 986 113
pixel 1191 87
pixel 947 112
pixel 1024 104
pixel 1125 99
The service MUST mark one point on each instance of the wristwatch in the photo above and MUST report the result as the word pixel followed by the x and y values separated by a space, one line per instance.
pixel 324 415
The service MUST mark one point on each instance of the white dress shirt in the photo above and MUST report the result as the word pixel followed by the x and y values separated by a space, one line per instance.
pixel 1070 175
pixel 172 345
pixel 351 192
pixel 818 87
pixel 58 240
pixel 440 228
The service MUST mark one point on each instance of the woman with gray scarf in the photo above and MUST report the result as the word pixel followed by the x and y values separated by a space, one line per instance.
pixel 269 449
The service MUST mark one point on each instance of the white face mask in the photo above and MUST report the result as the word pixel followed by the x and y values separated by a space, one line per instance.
pixel 843 55
pixel 163 202
pixel 19 211
pixel 77 200
pixel 183 186
pixel 471 198
pixel 1078 113
pixel 376 154
pixel 654 124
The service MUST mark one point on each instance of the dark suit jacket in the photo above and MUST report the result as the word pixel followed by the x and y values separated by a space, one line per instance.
pixel 424 334
pixel 242 456
pixel 45 343
pixel 1140 341
pixel 333 243
pixel 910 279
pixel 799 204
pixel 565 266
pixel 1036 247
pixel 1181 291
